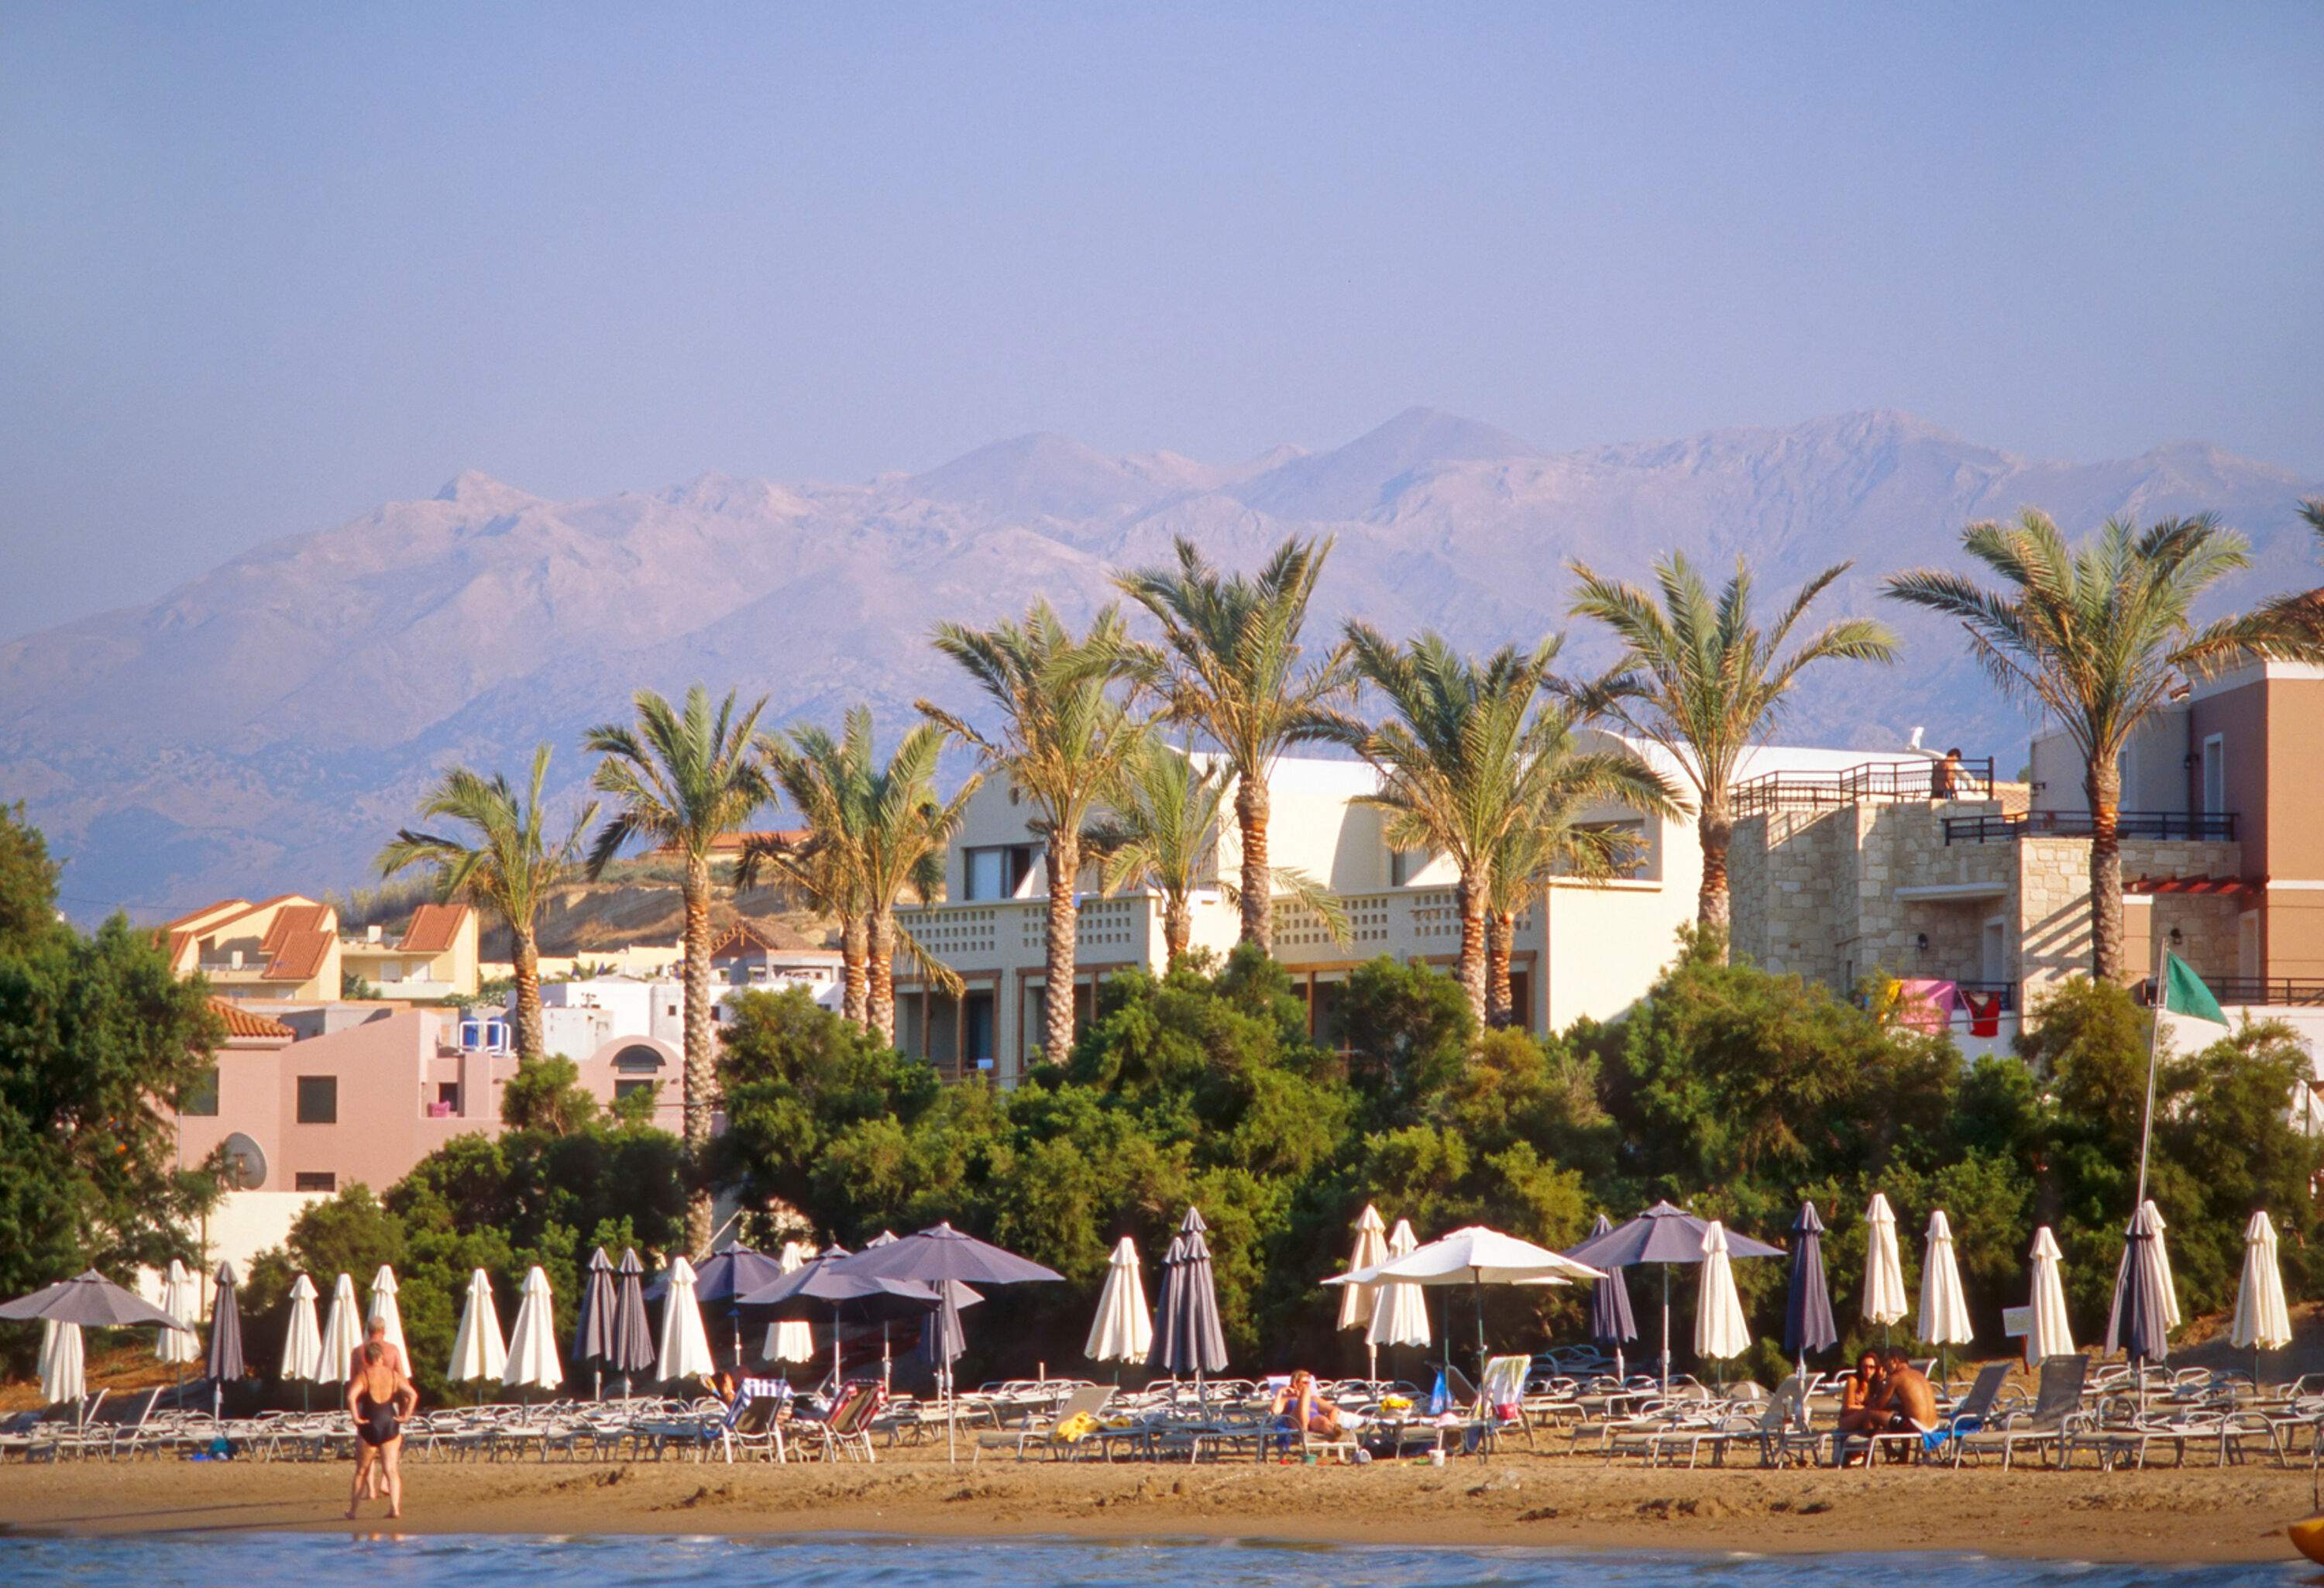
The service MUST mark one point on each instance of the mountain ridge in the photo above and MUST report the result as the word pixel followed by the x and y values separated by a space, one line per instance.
pixel 267 724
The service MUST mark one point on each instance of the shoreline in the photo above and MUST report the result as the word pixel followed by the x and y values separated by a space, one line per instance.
pixel 2171 1516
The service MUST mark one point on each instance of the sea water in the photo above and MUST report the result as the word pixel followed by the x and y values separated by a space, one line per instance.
pixel 195 1559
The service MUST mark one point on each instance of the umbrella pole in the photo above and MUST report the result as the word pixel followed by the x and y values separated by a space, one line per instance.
pixel 1667 1330
pixel 951 1454
pixel 1480 1335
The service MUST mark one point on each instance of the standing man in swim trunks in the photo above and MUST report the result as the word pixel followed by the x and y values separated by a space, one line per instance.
pixel 379 1399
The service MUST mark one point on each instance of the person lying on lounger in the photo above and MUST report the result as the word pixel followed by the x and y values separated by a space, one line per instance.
pixel 1298 1407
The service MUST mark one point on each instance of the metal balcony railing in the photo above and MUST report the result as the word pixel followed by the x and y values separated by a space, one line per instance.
pixel 2241 990
pixel 1875 781
pixel 2210 827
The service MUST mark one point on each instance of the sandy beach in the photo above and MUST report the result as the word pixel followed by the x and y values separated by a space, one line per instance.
pixel 2200 1514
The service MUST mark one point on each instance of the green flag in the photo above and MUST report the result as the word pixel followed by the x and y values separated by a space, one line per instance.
pixel 2186 1006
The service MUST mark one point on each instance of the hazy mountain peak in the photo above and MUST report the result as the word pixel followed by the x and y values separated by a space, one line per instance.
pixel 474 488
pixel 1353 480
pixel 1042 475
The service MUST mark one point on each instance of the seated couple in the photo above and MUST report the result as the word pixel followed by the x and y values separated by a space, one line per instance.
pixel 1886 1394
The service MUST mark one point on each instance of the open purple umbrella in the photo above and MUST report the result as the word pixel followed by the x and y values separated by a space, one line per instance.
pixel 939 1256
pixel 1667 1235
pixel 719 1279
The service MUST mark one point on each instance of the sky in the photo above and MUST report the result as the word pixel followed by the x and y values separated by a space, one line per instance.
pixel 266 267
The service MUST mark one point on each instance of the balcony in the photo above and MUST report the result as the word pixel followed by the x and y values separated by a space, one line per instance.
pixel 2210 826
pixel 2237 991
pixel 1891 782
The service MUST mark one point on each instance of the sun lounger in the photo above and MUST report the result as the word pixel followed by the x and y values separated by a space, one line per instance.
pixel 2056 1405
pixel 1038 1434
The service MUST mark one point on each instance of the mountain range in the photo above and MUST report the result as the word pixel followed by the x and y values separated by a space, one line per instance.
pixel 266 725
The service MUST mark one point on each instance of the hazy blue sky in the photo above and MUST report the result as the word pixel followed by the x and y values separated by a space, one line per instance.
pixel 264 268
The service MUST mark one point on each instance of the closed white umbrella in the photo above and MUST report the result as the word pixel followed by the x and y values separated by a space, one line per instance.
pixel 1357 1302
pixel 1400 1316
pixel 2051 1334
pixel 2162 1262
pixel 303 1340
pixel 1944 1308
pixel 1124 1329
pixel 791 1341
pixel 1884 1266
pixel 478 1353
pixel 181 1298
pixel 62 1375
pixel 685 1345
pixel 1720 1332
pixel 2263 1322
pixel 533 1361
pixel 383 1309
pixel 343 1332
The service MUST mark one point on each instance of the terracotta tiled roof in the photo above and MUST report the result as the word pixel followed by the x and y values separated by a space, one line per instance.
pixel 300 956
pixel 727 842
pixel 249 1023
pixel 292 920
pixel 434 929
pixel 746 937
pixel 237 905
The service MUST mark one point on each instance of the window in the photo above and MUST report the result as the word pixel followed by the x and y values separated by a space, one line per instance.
pixel 448 1095
pixel 997 872
pixel 318 1100
pixel 628 1089
pixel 977 1034
pixel 1404 865
pixel 200 1101
pixel 637 1059
pixel 315 1180
pixel 2214 774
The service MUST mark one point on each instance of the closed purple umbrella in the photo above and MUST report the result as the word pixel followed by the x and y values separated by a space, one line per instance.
pixel 1808 1322
pixel 634 1348
pixel 1169 1315
pixel 592 1332
pixel 225 1337
pixel 1611 1323
pixel 1196 1342
pixel 2140 1323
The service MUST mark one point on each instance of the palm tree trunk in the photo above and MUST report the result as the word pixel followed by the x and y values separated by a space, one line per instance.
pixel 1716 830
pixel 879 999
pixel 1177 928
pixel 854 976
pixel 1471 974
pixel 2103 785
pixel 528 992
pixel 1057 972
pixel 700 1074
pixel 1500 1000
pixel 1258 879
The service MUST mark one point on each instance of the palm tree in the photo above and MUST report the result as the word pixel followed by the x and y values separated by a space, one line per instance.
pixel 1062 739
pixel 683 780
pixel 1699 678
pixel 1230 665
pixel 1464 760
pixel 510 866
pixel 2101 634
pixel 1554 841
pixel 874 832
pixel 1160 830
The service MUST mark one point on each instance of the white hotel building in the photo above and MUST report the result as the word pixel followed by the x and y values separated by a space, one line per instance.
pixel 1582 950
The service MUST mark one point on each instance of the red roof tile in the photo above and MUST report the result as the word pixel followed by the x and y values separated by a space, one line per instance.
pixel 434 929
pixel 292 920
pixel 248 1023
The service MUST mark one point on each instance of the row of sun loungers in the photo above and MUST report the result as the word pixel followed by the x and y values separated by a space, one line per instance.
pixel 2106 1418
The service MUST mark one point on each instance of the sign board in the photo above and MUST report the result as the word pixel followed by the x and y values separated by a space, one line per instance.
pixel 2017 1322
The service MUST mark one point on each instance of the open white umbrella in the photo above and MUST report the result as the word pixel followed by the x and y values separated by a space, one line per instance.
pixel 533 1361
pixel 1400 1316
pixel 1944 1308
pixel 2052 1334
pixel 2263 1320
pixel 181 1298
pixel 1476 1256
pixel 1721 1331
pixel 303 1341
pixel 63 1377
pixel 792 1341
pixel 1124 1329
pixel 383 1309
pixel 478 1354
pixel 685 1345
pixel 343 1332
pixel 1884 1266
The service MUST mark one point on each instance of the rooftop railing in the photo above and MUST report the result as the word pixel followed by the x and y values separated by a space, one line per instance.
pixel 2209 827
pixel 1875 781
pixel 2279 991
